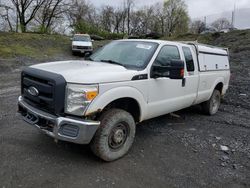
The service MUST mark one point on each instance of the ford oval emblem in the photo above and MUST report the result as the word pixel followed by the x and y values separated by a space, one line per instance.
pixel 33 91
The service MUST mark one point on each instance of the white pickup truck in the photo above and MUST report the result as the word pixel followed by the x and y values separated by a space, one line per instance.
pixel 99 101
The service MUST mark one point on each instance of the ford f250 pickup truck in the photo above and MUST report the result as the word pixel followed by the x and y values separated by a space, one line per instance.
pixel 99 101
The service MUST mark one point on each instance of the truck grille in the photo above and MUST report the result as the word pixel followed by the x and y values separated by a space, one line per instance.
pixel 50 88
pixel 83 47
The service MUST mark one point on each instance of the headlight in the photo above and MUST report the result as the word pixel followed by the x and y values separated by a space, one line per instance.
pixel 78 97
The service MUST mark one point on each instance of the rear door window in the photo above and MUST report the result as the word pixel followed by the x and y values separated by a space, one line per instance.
pixel 189 59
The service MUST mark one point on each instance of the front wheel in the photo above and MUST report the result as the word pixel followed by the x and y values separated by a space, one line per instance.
pixel 211 106
pixel 115 135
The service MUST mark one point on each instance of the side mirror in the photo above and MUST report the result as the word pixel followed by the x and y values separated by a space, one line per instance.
pixel 175 70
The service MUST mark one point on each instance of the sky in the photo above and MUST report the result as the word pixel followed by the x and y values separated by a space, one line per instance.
pixel 198 8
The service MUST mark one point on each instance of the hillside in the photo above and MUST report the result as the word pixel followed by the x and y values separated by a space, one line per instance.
pixel 37 46
pixel 17 49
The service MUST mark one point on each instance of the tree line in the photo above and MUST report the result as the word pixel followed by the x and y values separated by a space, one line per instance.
pixel 81 16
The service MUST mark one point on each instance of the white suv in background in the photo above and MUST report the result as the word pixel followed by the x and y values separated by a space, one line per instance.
pixel 82 43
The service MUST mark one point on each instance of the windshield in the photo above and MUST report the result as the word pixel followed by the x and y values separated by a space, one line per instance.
pixel 130 54
pixel 81 38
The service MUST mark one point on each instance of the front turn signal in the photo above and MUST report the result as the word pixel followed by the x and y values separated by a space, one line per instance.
pixel 90 95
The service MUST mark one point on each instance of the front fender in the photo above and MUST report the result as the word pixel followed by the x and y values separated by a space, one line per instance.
pixel 101 101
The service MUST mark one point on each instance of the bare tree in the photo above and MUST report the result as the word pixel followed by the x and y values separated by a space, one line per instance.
pixel 107 18
pixel 80 10
pixel 119 14
pixel 197 27
pixel 48 13
pixel 221 23
pixel 160 17
pixel 176 15
pixel 129 4
pixel 26 10
pixel 5 14
pixel 149 20
pixel 137 22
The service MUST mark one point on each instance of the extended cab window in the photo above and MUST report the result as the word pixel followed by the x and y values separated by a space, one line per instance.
pixel 167 54
pixel 189 59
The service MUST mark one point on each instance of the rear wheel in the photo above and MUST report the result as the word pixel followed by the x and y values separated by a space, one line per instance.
pixel 115 136
pixel 211 106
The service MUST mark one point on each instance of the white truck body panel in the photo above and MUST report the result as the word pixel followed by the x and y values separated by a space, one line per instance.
pixel 212 59
pixel 166 95
pixel 87 72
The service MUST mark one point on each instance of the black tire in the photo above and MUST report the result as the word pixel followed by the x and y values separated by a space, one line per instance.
pixel 211 106
pixel 115 135
pixel 74 53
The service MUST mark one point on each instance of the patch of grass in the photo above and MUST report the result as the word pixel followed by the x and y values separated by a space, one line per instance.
pixel 37 46
pixel 5 51
pixel 32 45
pixel 98 44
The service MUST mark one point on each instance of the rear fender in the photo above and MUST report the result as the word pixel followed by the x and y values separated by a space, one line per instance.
pixel 217 81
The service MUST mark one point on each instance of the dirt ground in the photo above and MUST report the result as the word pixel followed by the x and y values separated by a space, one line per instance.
pixel 169 151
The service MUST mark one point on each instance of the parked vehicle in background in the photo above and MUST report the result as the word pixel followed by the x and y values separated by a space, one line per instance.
pixel 227 30
pixel 82 43
pixel 209 30
pixel 100 101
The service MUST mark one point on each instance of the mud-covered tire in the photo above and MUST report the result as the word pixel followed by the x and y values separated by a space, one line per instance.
pixel 211 106
pixel 115 135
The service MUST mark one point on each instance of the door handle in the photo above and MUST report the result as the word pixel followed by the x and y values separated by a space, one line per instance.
pixel 183 82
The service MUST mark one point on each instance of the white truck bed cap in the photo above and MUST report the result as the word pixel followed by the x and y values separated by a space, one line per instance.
pixel 210 49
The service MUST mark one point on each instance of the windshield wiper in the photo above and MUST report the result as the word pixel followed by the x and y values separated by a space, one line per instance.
pixel 112 62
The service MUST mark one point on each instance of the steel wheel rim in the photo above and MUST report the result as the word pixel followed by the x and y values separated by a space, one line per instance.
pixel 118 136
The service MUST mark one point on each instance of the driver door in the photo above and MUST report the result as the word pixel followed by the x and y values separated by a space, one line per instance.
pixel 167 95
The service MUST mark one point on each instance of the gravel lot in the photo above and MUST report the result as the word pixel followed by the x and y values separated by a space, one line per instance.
pixel 183 150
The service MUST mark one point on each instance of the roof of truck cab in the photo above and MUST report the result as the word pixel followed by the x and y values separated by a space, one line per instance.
pixel 151 40
pixel 201 47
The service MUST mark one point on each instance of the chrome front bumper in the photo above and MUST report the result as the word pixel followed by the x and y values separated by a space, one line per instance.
pixel 82 50
pixel 68 129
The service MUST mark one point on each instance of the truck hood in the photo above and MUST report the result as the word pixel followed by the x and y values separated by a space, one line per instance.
pixel 81 43
pixel 88 72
